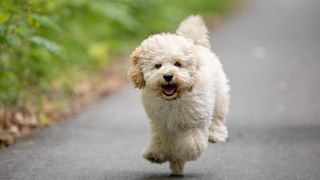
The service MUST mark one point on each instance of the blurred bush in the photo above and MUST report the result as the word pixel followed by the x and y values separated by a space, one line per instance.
pixel 51 45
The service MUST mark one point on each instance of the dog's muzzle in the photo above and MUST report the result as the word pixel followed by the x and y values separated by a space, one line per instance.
pixel 169 89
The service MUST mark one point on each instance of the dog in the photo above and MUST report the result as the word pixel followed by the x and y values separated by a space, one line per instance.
pixel 185 93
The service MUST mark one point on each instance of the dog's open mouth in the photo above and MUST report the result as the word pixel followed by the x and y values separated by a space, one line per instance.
pixel 169 89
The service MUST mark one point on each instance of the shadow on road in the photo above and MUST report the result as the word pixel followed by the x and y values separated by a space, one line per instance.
pixel 143 175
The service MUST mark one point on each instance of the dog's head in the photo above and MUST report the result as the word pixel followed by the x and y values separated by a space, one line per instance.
pixel 167 63
pixel 164 63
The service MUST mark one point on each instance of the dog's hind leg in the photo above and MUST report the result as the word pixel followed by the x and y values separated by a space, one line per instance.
pixel 218 131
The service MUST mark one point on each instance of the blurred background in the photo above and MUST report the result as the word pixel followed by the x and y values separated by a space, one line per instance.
pixel 57 55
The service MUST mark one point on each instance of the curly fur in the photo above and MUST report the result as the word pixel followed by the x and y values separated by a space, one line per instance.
pixel 182 123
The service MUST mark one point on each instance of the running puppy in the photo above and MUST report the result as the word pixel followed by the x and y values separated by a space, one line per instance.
pixel 184 92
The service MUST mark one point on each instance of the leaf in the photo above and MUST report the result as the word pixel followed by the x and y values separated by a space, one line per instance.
pixel 98 50
pixel 43 120
pixel 13 40
pixel 116 12
pixel 3 18
pixel 46 22
pixel 47 44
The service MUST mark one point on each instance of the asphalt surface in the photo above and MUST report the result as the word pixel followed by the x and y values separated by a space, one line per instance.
pixel 270 50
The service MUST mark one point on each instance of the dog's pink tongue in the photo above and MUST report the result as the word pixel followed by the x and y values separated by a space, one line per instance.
pixel 169 90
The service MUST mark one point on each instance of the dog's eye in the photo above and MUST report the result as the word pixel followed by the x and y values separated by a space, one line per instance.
pixel 158 66
pixel 177 64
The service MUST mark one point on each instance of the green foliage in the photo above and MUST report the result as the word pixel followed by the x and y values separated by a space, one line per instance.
pixel 46 44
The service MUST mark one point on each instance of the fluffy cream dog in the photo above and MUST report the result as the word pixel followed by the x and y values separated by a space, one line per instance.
pixel 184 92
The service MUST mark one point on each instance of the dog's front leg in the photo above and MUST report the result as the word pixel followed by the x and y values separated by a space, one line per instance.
pixel 177 167
pixel 189 144
pixel 154 153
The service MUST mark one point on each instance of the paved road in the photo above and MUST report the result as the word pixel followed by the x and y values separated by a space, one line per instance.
pixel 270 50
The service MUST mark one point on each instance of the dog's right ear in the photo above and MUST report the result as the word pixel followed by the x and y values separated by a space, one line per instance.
pixel 135 73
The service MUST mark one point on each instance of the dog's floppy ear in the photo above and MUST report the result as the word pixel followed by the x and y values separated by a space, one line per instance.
pixel 193 27
pixel 135 72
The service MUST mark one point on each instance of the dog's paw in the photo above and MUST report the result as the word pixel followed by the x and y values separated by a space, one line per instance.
pixel 218 134
pixel 154 157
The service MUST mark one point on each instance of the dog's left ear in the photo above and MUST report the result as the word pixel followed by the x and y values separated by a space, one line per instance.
pixel 135 73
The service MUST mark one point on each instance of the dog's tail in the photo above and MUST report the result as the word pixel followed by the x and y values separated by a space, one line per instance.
pixel 193 27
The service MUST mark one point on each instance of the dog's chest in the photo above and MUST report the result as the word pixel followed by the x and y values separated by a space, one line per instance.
pixel 187 112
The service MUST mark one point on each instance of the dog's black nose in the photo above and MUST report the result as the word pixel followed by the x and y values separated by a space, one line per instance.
pixel 168 78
